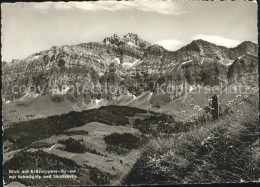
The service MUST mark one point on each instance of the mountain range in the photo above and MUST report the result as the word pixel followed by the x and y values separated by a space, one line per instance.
pixel 141 68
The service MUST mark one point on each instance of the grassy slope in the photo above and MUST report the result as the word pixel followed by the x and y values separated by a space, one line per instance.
pixel 223 151
pixel 24 133
pixel 32 134
pixel 202 154
pixel 35 108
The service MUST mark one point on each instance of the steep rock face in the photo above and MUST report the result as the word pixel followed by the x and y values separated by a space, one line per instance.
pixel 246 65
pixel 246 47
pixel 214 74
pixel 111 77
pixel 203 63
pixel 152 59
pixel 137 64
pixel 200 48
pixel 130 39
pixel 60 66
pixel 193 72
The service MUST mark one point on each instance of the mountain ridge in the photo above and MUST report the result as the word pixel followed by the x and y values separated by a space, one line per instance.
pixel 127 61
pixel 130 34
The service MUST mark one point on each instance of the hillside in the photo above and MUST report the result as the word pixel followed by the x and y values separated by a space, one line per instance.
pixel 125 145
pixel 226 150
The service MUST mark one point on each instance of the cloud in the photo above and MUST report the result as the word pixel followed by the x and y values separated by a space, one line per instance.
pixel 170 44
pixel 161 7
pixel 218 40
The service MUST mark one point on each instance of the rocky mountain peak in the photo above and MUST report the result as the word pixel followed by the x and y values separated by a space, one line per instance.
pixel 156 49
pixel 131 39
pixel 246 45
pixel 202 42
pixel 112 40
pixel 131 35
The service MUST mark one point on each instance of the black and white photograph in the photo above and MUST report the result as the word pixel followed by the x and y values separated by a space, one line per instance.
pixel 126 93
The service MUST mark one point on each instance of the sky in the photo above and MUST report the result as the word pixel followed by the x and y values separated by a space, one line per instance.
pixel 29 28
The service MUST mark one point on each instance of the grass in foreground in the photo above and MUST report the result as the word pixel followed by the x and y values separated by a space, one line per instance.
pixel 223 151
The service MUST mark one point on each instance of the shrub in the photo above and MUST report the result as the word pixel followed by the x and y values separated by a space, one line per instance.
pixel 75 132
pixel 126 140
pixel 99 177
pixel 72 145
pixel 38 145
pixel 122 110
